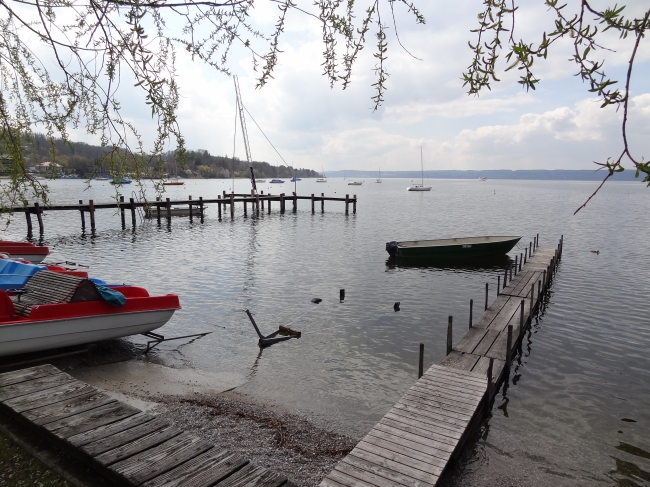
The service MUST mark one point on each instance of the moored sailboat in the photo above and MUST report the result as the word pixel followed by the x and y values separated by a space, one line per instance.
pixel 420 187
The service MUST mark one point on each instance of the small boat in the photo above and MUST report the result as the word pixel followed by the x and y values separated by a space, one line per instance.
pixel 102 178
pixel 420 187
pixel 378 180
pixel 152 212
pixel 177 182
pixel 482 178
pixel 61 311
pixel 453 247
pixel 355 183
pixel 260 180
pixel 121 181
pixel 276 181
pixel 24 250
pixel 294 179
pixel 321 180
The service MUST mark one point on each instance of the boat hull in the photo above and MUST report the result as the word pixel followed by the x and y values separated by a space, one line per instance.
pixel 453 248
pixel 33 336
pixel 419 188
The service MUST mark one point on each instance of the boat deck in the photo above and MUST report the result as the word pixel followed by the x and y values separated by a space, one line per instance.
pixel 123 444
pixel 427 428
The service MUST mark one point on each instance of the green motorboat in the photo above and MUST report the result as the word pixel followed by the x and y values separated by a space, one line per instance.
pixel 453 247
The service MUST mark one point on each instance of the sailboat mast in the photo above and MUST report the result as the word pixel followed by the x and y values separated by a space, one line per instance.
pixel 421 166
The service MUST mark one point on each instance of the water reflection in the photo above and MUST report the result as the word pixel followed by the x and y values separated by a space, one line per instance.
pixel 473 264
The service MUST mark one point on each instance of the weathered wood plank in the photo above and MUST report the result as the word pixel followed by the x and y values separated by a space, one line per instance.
pixel 427 413
pixel 429 390
pixel 64 409
pixel 204 470
pixel 436 440
pixel 49 396
pixel 404 447
pixel 483 365
pixel 105 431
pixel 124 444
pixel 415 435
pixel 355 465
pixel 443 403
pixel 147 436
pixel 28 387
pixel 391 460
pixel 449 432
pixel 434 408
pixel 248 475
pixel 23 375
pixel 156 461
pixel 485 345
pixel 342 478
pixel 443 372
pixel 79 423
pixel 471 339
pixel 460 360
pixel 465 387
pixel 487 317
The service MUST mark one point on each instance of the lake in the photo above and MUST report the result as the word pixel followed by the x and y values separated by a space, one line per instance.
pixel 576 409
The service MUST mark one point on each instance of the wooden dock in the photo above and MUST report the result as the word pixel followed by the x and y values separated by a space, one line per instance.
pixel 163 209
pixel 427 428
pixel 121 443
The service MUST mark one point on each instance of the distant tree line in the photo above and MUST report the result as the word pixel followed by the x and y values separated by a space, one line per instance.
pixel 85 160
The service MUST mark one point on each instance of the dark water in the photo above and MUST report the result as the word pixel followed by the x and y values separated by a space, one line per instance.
pixel 576 411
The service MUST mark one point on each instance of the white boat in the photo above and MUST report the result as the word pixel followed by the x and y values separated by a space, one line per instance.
pixel 321 180
pixel 482 178
pixel 260 180
pixel 420 187
pixel 378 180
pixel 355 183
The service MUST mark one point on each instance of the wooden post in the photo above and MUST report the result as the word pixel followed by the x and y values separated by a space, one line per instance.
pixel 191 216
pixel 489 378
pixel 122 217
pixel 532 300
pixel 132 204
pixel 313 210
pixel 219 206
pixel 39 217
pixel 91 210
pixel 521 260
pixel 354 204
pixel 269 204
pixel 347 204
pixel 295 202
pixel 168 205
pixel 525 255
pixel 498 285
pixel 421 362
pixel 257 204
pixel 509 347
pixel 245 207
pixel 487 286
pixel 471 307
pixel 28 217
pixel 262 193
pixel 516 264
pixel 282 203
pixel 537 241
pixel 232 206
pixel 449 334
pixel 530 249
pixel 201 212
pixel 158 210
pixel 521 319
pixel 81 212
pixel 322 202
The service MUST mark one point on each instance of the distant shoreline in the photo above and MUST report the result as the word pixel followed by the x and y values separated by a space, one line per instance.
pixel 531 174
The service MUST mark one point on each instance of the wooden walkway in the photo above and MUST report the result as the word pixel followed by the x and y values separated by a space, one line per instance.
pixel 120 442
pixel 427 428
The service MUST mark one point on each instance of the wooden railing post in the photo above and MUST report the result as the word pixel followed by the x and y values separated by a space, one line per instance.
pixel 91 211
pixel 295 202
pixel 262 193
pixel 322 202
pixel 201 209
pixel 83 218
pixel 312 204
pixel 132 204
pixel 219 206
pixel 190 205
pixel 168 206
pixel 471 307
pixel 354 204
pixel 421 361
pixel 282 203
pixel 449 334
pixel 487 287
pixel 347 204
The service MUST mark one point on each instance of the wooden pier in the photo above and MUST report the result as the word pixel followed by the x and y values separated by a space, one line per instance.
pixel 427 428
pixel 226 203
pixel 121 443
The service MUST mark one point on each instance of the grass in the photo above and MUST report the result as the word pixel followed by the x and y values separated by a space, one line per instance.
pixel 18 468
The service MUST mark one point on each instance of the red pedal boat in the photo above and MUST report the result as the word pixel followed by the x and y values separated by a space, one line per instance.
pixel 77 316
pixel 24 250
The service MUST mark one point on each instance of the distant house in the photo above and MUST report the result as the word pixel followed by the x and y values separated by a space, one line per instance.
pixel 47 166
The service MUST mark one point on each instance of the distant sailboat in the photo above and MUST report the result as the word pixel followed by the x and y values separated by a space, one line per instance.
pixel 378 180
pixel 323 179
pixel 420 187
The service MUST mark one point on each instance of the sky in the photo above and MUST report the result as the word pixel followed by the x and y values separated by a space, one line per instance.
pixel 557 126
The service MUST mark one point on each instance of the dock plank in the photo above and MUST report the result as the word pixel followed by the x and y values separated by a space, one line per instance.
pixel 101 432
pixel 249 475
pixel 460 360
pixel 204 470
pixel 124 444
pixel 383 476
pixel 23 375
pixel 413 469
pixel 49 396
pixel 66 408
pixel 153 462
pixel 103 415
pixel 30 386
pixel 407 449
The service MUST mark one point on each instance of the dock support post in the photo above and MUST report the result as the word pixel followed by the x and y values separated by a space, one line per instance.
pixel 449 334
pixel 232 206
pixel 498 285
pixel 505 278
pixel 522 323
pixel 530 249
pixel 245 207
pixel 421 361
pixel 91 210
pixel 168 205
pixel 532 301
pixel 28 218
pixel 282 203
pixel 201 212
pixel 354 204
pixel 537 241
pixel 471 307
pixel 158 210
pixel 489 385
pixel 312 204
pixel 122 217
pixel 342 295
pixel 191 216
pixel 295 202
pixel 219 206
pixel 81 212
pixel 516 265
pixel 132 204
pixel 39 217
pixel 509 347
pixel 322 202
pixel 347 204
pixel 262 193
pixel 525 255
pixel 487 287
pixel 269 203
pixel 521 261
pixel 257 204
